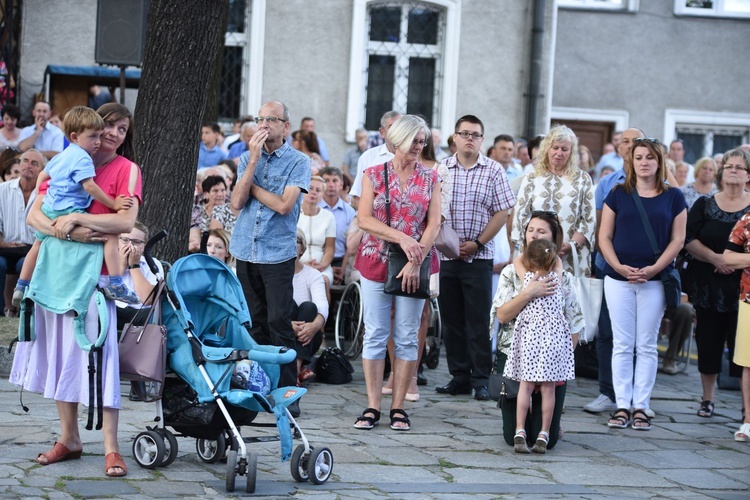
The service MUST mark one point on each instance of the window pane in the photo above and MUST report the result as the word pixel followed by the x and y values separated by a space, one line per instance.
pixel 231 83
pixel 385 24
pixel 724 143
pixel 421 87
pixel 236 19
pixel 693 144
pixel 423 26
pixel 380 76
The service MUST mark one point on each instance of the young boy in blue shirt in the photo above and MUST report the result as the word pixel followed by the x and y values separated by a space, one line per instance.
pixel 71 189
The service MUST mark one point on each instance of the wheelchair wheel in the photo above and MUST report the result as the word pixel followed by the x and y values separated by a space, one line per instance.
pixel 349 326
pixel 434 337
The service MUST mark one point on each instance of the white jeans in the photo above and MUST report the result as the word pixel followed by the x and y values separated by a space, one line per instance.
pixel 377 317
pixel 636 311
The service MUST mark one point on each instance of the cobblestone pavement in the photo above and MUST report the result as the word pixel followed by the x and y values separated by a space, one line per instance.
pixel 454 450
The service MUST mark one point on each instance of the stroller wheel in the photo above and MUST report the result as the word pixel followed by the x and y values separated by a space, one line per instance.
pixel 320 465
pixel 148 449
pixel 298 464
pixel 170 444
pixel 211 451
pixel 231 469
pixel 252 471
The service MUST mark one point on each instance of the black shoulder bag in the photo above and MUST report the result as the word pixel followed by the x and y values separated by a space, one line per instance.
pixel 397 259
pixel 671 278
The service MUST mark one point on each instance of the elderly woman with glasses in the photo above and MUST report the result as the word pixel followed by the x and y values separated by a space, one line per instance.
pixel 632 284
pixel 712 284
pixel 558 185
pixel 410 221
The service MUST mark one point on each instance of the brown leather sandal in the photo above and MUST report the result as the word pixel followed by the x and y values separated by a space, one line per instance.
pixel 114 460
pixel 58 453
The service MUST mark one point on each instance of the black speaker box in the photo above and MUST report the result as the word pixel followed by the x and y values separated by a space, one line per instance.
pixel 121 32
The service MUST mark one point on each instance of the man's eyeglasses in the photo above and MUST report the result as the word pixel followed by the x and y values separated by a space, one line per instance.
pixel 421 144
pixel 474 135
pixel 269 119
pixel 647 139
pixel 734 167
pixel 131 240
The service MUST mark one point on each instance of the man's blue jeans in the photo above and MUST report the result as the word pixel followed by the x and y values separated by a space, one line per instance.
pixel 8 265
pixel 604 346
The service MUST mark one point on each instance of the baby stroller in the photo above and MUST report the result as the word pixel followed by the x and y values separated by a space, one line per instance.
pixel 207 328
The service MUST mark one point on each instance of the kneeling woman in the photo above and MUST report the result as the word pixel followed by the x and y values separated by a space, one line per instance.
pixel 511 297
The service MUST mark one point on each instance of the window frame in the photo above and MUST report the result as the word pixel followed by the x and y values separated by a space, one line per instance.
pixel 628 5
pixel 356 101
pixel 718 10
pixel 685 118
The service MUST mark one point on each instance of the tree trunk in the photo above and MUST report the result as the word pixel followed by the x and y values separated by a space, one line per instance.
pixel 182 39
pixel 211 113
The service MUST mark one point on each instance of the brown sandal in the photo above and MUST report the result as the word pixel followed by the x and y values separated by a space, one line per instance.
pixel 114 460
pixel 58 453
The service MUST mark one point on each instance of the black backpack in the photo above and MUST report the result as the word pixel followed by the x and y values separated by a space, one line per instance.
pixel 332 367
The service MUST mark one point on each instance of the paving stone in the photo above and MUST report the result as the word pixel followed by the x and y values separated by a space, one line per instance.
pixel 383 473
pixel 164 489
pixel 700 478
pixel 677 459
pixel 478 476
pixel 94 488
pixel 603 474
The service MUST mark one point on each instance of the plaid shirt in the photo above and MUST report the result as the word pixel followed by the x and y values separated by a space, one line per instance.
pixel 478 193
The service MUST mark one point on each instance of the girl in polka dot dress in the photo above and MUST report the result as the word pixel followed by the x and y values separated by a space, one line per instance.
pixel 541 351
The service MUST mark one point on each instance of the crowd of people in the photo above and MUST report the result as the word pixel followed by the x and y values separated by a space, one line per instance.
pixel 269 204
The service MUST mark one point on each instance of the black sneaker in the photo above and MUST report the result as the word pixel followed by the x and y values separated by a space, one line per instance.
pixel 294 409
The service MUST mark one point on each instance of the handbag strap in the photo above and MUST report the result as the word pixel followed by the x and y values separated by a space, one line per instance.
pixel 646 224
pixel 387 195
pixel 154 312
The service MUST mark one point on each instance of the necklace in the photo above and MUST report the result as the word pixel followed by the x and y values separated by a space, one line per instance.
pixel 114 155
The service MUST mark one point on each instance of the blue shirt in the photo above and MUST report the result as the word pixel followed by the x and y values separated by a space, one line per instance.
pixel 66 171
pixel 610 159
pixel 236 149
pixel 630 239
pixel 210 157
pixel 261 235
pixel 343 213
pixel 606 185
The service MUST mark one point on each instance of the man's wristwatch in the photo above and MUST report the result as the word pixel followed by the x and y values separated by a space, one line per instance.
pixel 479 244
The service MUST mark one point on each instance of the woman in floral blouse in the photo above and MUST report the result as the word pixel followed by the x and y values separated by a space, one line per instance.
pixel 414 193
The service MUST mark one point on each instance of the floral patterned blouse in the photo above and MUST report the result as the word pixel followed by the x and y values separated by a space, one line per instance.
pixel 571 198
pixel 739 241
pixel 408 215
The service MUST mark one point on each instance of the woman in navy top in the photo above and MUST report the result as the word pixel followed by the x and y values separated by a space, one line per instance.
pixel 632 285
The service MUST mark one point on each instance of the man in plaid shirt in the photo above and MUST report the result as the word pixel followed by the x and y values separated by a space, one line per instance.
pixel 479 208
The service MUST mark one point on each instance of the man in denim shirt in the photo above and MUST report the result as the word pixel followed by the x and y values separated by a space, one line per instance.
pixel 271 177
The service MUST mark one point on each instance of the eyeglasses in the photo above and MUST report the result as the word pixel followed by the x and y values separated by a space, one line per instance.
pixel 734 167
pixel 269 119
pixel 474 135
pixel 131 240
pixel 421 144
pixel 543 213
pixel 647 139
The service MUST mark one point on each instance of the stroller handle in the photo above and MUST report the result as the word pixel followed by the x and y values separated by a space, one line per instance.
pixel 147 250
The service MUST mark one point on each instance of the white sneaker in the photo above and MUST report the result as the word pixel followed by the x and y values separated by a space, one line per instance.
pixel 600 404
pixel 650 413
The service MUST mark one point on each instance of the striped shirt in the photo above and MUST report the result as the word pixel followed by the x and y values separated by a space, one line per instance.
pixel 479 193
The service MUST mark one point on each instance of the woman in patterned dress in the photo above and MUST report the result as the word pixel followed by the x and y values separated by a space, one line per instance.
pixel 414 193
pixel 558 185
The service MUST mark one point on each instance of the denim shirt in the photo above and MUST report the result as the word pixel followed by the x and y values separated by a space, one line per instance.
pixel 606 185
pixel 261 235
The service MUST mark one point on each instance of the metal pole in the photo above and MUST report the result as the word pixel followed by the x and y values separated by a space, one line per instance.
pixel 535 69
pixel 122 85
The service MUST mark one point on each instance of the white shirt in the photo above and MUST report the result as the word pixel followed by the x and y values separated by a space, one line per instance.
pixel 51 138
pixel 309 287
pixel 13 213
pixel 373 156
pixel 127 279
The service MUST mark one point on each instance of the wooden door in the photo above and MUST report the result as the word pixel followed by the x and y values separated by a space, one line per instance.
pixel 593 135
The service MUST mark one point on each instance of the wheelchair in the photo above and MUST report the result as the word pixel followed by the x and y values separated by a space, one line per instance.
pixel 349 326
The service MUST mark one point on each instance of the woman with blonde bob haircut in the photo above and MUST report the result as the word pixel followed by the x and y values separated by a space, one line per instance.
pixel 412 222
pixel 632 283
pixel 558 185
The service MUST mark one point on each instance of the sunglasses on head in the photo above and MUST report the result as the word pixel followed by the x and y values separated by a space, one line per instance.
pixel 543 213
pixel 647 139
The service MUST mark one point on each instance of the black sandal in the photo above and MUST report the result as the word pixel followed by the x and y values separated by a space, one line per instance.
pixel 641 422
pixel 369 422
pixel 404 419
pixel 619 419
pixel 707 409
